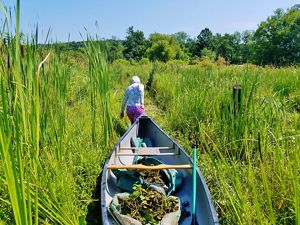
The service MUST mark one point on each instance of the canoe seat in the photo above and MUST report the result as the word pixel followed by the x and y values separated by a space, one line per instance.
pixel 144 151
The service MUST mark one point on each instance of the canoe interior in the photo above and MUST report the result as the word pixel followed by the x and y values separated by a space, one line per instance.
pixel 145 127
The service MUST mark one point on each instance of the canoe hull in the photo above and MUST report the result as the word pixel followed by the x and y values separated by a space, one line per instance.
pixel 146 127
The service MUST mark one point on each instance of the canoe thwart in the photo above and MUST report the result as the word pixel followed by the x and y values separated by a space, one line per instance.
pixel 145 154
pixel 143 167
pixel 147 148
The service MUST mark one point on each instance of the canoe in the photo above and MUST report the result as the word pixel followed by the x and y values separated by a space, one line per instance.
pixel 166 150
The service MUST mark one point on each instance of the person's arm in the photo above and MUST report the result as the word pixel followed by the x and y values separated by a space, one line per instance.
pixel 125 99
pixel 142 95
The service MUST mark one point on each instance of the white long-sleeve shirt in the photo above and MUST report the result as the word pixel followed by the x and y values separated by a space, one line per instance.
pixel 134 94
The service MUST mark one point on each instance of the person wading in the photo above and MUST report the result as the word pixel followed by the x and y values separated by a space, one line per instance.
pixel 134 95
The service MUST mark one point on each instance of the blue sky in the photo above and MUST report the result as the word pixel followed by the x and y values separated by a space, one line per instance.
pixel 70 17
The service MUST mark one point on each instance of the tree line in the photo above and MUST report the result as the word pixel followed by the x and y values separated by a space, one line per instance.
pixel 276 41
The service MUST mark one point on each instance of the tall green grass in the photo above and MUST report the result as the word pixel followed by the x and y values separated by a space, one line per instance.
pixel 249 152
pixel 99 78
pixel 14 126
pixel 48 164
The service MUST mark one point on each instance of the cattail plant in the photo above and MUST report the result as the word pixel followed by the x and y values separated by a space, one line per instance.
pixel 99 77
pixel 29 122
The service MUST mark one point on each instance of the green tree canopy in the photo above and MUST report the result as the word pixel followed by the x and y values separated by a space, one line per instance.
pixel 229 47
pixel 277 40
pixel 135 44
pixel 207 53
pixel 115 49
pixel 204 40
pixel 164 47
pixel 181 36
